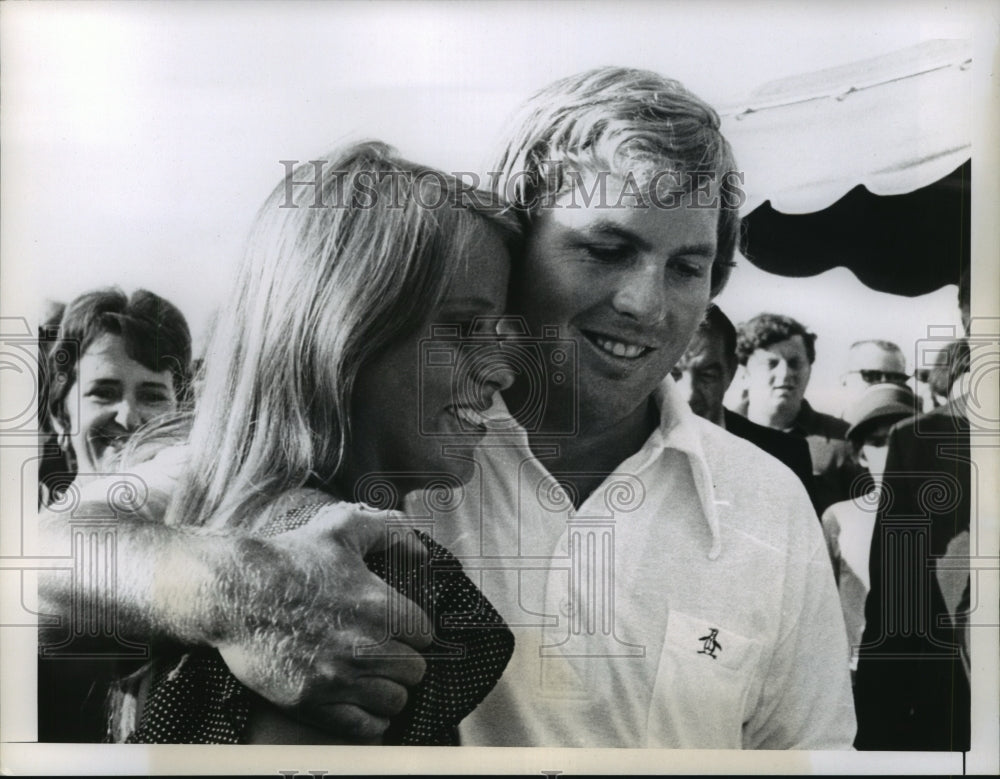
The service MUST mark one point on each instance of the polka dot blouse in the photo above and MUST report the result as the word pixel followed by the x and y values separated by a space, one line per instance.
pixel 192 697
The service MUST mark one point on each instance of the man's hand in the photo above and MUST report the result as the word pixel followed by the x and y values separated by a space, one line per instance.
pixel 309 627
pixel 288 613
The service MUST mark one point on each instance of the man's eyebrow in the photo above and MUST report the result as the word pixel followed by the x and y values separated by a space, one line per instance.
pixel 607 228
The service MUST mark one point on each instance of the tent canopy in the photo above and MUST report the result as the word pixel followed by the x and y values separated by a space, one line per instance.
pixel 865 166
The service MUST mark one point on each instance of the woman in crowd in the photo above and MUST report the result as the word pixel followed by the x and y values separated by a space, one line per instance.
pixel 119 361
pixel 313 396
pixel 115 362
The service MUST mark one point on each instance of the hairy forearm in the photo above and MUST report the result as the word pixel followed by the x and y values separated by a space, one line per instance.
pixel 153 580
pixel 286 613
pixel 162 582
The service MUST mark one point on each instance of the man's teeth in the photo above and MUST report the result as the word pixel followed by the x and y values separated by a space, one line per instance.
pixel 618 349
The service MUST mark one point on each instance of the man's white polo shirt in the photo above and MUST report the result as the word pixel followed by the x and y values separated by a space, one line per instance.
pixel 689 602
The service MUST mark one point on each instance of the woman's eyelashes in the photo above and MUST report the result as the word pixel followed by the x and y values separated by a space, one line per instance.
pixel 110 393
pixel 104 393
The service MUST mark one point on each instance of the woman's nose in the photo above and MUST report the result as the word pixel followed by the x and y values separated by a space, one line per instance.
pixel 498 373
pixel 127 415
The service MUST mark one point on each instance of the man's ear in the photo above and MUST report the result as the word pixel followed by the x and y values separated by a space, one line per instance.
pixel 737 388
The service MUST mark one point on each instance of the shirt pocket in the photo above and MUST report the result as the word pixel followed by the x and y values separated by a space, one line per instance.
pixel 702 683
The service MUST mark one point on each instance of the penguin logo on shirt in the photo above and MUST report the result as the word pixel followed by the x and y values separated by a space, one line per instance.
pixel 709 643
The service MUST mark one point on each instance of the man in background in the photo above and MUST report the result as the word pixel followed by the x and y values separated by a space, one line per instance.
pixel 777 354
pixel 872 362
pixel 848 525
pixel 704 374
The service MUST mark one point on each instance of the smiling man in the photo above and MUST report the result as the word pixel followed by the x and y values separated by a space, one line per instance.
pixel 667 584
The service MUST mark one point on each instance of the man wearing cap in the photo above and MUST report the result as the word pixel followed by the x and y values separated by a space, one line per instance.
pixel 848 524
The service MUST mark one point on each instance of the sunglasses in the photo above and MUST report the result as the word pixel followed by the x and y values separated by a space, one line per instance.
pixel 881 377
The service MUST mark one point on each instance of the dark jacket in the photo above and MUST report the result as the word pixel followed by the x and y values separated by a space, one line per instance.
pixel 836 475
pixel 912 690
pixel 790 450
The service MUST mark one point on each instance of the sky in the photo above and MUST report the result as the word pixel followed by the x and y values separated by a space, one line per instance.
pixel 138 139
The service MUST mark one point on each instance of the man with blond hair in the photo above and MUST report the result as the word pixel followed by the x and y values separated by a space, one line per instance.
pixel 667 586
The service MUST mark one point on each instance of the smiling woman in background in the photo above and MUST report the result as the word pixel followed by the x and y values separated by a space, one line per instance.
pixel 119 362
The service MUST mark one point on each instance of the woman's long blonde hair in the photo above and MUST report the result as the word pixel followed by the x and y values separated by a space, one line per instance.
pixel 331 276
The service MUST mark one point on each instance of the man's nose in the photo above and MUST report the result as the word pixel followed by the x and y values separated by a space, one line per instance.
pixel 780 371
pixel 641 295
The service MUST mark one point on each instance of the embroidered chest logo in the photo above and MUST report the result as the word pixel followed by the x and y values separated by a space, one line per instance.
pixel 709 645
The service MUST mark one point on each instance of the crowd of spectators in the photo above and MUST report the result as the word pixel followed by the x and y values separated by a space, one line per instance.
pixel 891 483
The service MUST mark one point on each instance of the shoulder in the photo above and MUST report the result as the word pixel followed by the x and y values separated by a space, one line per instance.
pixel 292 509
pixel 834 511
pixel 743 468
pixel 942 420
pixel 845 513
pixel 778 443
pixel 815 422
pixel 760 496
pixel 732 456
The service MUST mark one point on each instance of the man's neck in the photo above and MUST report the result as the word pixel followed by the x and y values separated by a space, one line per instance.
pixel 586 459
pixel 781 418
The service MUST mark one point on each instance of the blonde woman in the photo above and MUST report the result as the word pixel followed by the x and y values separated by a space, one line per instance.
pixel 313 397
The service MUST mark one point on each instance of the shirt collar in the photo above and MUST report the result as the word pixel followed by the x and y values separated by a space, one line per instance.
pixel 680 429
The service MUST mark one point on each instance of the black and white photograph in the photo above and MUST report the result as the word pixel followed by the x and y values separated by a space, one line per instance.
pixel 595 387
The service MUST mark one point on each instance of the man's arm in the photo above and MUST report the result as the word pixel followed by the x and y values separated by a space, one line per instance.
pixel 286 613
